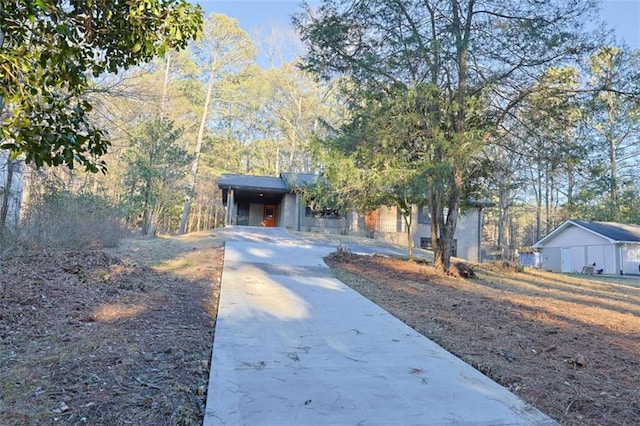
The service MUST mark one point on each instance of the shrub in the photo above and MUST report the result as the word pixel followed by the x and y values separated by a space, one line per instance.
pixel 63 220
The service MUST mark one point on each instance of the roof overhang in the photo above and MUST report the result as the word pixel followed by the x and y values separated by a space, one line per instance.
pixel 252 189
pixel 565 225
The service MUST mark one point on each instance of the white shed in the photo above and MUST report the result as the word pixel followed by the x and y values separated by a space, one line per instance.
pixel 613 247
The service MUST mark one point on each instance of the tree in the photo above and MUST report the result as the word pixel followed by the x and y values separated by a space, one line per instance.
pixel 547 126
pixel 470 61
pixel 224 50
pixel 50 48
pixel 614 117
pixel 156 165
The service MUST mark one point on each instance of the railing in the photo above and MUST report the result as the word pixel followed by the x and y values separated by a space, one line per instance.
pixel 332 223
pixel 344 224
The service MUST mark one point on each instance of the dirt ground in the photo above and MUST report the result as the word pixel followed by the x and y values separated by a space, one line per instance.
pixel 567 344
pixel 124 336
pixel 109 337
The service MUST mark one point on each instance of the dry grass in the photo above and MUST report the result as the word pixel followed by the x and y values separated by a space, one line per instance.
pixel 568 344
pixel 123 336
pixel 109 337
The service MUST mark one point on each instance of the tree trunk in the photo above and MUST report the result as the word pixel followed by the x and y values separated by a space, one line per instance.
pixel 408 221
pixel 194 166
pixel 165 84
pixel 6 196
pixel 539 205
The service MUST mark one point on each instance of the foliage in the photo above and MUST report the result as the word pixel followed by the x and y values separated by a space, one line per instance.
pixel 456 82
pixel 49 50
pixel 156 166
pixel 224 51
pixel 614 121
pixel 59 219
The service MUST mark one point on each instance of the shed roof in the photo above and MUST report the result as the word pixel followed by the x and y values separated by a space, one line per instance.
pixel 612 231
pixel 619 232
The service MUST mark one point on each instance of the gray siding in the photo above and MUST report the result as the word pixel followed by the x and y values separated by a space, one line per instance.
pixel 255 214
pixel 287 213
pixel 466 234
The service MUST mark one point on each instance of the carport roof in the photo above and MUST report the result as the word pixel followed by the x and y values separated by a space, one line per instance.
pixel 263 189
pixel 258 183
pixel 612 231
pixel 285 183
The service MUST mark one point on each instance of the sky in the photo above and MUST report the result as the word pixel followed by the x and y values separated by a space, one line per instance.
pixel 255 15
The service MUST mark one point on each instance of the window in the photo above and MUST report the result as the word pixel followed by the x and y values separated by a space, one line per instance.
pixel 425 243
pixel 424 216
pixel 243 214
pixel 314 211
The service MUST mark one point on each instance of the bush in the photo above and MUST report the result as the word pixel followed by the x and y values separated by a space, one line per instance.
pixel 63 220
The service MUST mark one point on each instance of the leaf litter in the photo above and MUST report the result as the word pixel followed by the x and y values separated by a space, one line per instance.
pixel 567 344
pixel 118 336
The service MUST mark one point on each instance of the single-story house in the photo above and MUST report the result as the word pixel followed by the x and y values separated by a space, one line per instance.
pixel 614 248
pixel 277 201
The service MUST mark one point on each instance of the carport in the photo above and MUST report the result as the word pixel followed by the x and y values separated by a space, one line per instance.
pixel 252 200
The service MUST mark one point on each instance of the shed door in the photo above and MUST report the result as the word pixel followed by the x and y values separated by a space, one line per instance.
pixel 565 260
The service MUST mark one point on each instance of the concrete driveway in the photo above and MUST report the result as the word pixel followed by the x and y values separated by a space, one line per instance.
pixel 294 346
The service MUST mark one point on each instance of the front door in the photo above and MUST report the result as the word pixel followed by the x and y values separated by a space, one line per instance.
pixel 269 215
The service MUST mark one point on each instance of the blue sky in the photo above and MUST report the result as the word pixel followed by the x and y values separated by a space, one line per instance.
pixel 622 15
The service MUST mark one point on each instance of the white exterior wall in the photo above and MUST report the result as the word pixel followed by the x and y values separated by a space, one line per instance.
pixel 550 258
pixel 630 256
pixel 573 248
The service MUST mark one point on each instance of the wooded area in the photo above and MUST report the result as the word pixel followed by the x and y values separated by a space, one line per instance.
pixel 430 103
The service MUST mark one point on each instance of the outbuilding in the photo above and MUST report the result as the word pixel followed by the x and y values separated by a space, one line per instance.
pixel 578 245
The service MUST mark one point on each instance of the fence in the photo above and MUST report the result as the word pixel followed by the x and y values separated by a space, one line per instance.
pixel 346 225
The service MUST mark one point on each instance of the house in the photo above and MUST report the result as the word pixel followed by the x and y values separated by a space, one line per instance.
pixel 576 244
pixel 278 201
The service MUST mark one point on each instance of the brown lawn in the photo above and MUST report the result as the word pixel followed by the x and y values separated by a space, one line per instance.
pixel 109 337
pixel 124 336
pixel 568 344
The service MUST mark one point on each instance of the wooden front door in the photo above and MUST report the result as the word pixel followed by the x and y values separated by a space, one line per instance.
pixel 269 215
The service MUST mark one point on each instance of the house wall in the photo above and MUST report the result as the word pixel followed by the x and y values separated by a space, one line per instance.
pixel 287 212
pixel 630 254
pixel 574 248
pixel 393 230
pixel 466 234
pixel 390 227
pixel 256 212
